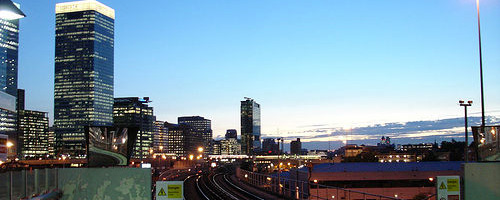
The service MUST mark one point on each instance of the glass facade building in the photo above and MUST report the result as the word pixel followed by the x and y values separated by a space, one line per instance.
pixel 33 130
pixel 132 112
pixel 84 68
pixel 181 141
pixel 8 123
pixel 9 43
pixel 199 126
pixel 250 127
pixel 160 138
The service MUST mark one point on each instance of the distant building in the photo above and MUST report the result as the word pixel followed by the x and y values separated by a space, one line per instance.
pixel 52 142
pixel 160 137
pixel 8 121
pixel 217 147
pixel 199 126
pixel 231 133
pixel 250 127
pixel 181 141
pixel 132 112
pixel 398 157
pixel 270 147
pixel 33 130
pixel 20 105
pixel 3 148
pixel 230 146
pixel 296 147
pixel 416 147
pixel 352 150
pixel 84 69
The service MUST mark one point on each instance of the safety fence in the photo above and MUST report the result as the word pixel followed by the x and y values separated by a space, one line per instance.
pixel 27 183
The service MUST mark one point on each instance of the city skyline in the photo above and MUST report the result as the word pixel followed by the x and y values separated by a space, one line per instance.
pixel 323 65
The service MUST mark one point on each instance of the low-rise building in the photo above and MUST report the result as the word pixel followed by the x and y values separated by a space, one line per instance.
pixel 403 180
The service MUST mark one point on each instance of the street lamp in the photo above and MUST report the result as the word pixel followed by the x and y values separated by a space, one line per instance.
pixel 9 11
pixel 200 149
pixel 480 67
pixel 465 105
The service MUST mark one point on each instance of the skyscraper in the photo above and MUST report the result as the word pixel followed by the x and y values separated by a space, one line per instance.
pixel 296 147
pixel 250 127
pixel 83 88
pixel 199 126
pixel 9 43
pixel 132 112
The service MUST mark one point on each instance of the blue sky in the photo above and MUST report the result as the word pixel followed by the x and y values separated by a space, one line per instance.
pixel 339 63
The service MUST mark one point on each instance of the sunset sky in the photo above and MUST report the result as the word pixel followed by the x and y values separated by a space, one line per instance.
pixel 308 63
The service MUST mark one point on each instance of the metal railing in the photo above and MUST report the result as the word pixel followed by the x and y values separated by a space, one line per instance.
pixel 27 183
pixel 297 189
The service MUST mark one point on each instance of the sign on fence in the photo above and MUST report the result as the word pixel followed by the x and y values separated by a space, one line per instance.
pixel 169 190
pixel 448 187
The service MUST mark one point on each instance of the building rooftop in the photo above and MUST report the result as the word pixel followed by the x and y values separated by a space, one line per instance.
pixel 387 167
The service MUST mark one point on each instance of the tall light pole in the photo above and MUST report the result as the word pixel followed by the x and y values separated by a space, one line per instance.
pixel 465 105
pixel 480 67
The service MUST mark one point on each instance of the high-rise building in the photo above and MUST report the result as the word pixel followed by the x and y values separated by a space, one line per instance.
pixel 20 99
pixel 84 68
pixel 231 133
pixel 8 122
pixel 52 142
pixel 199 126
pixel 269 146
pixel 9 43
pixel 181 141
pixel 33 127
pixel 230 146
pixel 132 112
pixel 296 147
pixel 8 125
pixel 250 127
pixel 160 137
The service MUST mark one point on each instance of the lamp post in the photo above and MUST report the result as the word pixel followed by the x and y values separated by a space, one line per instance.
pixel 465 105
pixel 480 67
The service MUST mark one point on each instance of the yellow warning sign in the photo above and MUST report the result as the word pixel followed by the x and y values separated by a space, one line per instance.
pixel 162 192
pixel 453 185
pixel 442 186
pixel 174 191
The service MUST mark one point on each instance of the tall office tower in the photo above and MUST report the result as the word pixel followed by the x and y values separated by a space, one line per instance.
pixel 132 112
pixel 200 126
pixel 52 142
pixel 230 146
pixel 231 133
pixel 270 147
pixel 250 127
pixel 20 99
pixel 9 43
pixel 33 130
pixel 84 67
pixel 181 141
pixel 159 137
pixel 296 147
